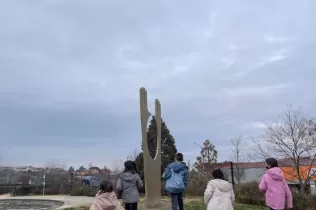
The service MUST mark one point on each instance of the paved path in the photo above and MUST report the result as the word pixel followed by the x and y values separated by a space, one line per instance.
pixel 70 201
pixel 4 196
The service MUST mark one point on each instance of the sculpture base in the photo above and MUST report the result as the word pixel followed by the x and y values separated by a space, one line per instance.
pixel 164 205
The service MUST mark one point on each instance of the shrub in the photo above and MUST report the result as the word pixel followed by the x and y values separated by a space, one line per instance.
pixel 249 194
pixel 197 185
pixel 6 189
pixel 83 191
pixel 303 201
pixel 25 190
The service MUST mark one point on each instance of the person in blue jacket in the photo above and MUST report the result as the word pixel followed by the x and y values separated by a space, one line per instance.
pixel 177 178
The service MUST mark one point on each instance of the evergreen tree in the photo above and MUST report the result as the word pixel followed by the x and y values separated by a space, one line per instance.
pixel 202 168
pixel 208 155
pixel 168 147
pixel 82 168
pixel 71 169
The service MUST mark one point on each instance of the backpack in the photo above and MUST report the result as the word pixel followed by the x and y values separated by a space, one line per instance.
pixel 175 183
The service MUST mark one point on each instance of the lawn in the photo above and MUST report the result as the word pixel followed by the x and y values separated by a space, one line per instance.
pixel 199 206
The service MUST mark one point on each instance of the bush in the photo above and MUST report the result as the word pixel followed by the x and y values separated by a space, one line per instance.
pixel 197 185
pixel 6 189
pixel 83 191
pixel 303 201
pixel 249 194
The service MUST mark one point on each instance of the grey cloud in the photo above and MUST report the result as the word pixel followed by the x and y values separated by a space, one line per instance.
pixel 70 71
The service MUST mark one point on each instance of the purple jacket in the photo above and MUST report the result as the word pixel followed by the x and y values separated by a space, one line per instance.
pixel 277 192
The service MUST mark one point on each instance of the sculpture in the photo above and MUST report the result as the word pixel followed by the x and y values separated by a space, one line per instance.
pixel 152 167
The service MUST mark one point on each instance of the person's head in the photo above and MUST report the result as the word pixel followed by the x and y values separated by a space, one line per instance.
pixel 271 163
pixel 218 174
pixel 179 157
pixel 106 187
pixel 130 166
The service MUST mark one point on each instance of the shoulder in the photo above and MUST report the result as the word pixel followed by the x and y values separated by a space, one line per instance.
pixel 171 164
pixel 211 182
pixel 265 176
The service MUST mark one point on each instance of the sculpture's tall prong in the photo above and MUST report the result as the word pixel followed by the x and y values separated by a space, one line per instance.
pixel 158 123
pixel 144 116
pixel 152 167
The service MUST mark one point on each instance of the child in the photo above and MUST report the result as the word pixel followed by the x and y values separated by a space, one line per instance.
pixel 275 187
pixel 219 194
pixel 106 198
pixel 128 185
pixel 177 178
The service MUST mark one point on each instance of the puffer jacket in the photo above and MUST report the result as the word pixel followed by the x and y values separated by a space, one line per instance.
pixel 129 184
pixel 277 192
pixel 219 195
pixel 106 201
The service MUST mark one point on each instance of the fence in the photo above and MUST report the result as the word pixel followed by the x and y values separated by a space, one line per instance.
pixel 56 182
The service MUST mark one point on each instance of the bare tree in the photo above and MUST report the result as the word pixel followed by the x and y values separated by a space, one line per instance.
pixel 1 171
pixel 117 167
pixel 90 165
pixel 106 169
pixel 1 167
pixel 133 155
pixel 54 164
pixel 239 156
pixel 10 172
pixel 6 172
pixel 293 140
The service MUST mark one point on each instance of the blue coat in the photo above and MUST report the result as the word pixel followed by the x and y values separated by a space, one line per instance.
pixel 176 176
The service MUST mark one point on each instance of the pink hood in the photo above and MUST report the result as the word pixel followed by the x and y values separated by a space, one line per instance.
pixel 106 201
pixel 277 192
pixel 276 174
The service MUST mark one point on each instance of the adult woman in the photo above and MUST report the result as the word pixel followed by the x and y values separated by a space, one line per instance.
pixel 275 187
pixel 219 193
pixel 128 185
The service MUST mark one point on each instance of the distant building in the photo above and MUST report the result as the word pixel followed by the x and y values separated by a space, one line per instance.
pixel 91 171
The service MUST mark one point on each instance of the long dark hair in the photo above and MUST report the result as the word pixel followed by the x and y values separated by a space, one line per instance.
pixel 218 174
pixel 106 186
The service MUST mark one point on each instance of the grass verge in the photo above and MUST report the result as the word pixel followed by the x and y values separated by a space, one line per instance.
pixel 199 206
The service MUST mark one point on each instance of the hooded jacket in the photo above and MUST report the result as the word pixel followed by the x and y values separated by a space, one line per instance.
pixel 106 201
pixel 276 189
pixel 219 195
pixel 176 167
pixel 129 184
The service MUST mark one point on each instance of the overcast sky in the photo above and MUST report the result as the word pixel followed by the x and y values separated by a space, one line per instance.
pixel 70 73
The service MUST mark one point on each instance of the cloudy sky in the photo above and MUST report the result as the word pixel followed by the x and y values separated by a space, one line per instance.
pixel 70 73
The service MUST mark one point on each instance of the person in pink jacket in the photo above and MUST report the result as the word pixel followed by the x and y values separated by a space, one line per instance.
pixel 106 198
pixel 275 187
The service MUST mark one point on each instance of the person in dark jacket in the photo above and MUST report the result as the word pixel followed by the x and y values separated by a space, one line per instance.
pixel 177 177
pixel 128 184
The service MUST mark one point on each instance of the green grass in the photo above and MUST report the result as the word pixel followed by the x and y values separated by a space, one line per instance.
pixel 201 206
pixel 249 207
pixel 192 203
